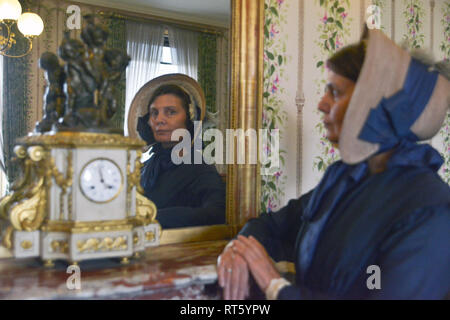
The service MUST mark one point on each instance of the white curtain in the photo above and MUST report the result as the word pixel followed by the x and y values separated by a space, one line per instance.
pixel 144 46
pixel 184 44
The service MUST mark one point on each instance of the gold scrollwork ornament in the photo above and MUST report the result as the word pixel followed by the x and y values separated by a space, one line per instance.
pixel 105 244
pixel 134 177
pixel 7 238
pixel 59 246
pixel 27 203
pixel 29 214
pixel 26 244
pixel 145 209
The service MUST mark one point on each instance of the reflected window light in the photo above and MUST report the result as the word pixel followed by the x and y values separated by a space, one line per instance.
pixel 166 56
pixel 166 65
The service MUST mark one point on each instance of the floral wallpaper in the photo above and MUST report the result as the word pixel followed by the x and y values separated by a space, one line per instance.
pixel 273 185
pixel 333 29
pixel 413 13
pixel 445 22
pixel 445 131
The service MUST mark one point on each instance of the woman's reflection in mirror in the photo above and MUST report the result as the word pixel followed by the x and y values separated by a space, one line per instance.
pixel 185 194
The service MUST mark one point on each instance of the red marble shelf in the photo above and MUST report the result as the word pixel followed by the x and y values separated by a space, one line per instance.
pixel 177 271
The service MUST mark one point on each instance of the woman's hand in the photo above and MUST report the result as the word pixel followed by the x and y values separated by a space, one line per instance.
pixel 259 262
pixel 233 275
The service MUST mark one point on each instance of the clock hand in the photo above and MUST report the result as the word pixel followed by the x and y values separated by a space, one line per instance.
pixel 101 175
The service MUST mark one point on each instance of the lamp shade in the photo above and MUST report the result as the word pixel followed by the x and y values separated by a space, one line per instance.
pixel 10 9
pixel 30 24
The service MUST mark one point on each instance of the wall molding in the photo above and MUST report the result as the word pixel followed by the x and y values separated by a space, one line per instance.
pixel 300 102
pixel 432 6
pixel 362 12
pixel 300 98
pixel 393 21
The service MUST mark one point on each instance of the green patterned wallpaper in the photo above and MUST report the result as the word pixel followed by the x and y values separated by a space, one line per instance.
pixel 207 61
pixel 16 99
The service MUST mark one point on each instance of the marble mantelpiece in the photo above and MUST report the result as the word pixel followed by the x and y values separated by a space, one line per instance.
pixel 177 271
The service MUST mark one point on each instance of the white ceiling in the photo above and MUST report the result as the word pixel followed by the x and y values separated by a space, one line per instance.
pixel 213 12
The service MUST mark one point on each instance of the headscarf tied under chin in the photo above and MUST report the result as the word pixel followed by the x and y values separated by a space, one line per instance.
pixel 194 105
pixel 395 100
pixel 159 162
pixel 144 129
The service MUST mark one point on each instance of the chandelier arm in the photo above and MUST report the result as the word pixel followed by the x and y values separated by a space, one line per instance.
pixel 30 41
pixel 8 42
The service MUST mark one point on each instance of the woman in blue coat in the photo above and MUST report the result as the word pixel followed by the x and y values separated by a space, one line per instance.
pixel 377 226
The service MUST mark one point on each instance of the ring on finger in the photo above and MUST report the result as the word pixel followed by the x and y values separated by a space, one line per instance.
pixel 229 270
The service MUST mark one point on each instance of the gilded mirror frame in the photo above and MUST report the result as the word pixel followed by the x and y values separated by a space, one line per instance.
pixel 243 181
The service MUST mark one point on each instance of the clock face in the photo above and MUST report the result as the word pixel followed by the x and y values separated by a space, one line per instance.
pixel 101 180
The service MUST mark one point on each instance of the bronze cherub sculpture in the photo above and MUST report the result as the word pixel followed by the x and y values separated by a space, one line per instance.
pixel 54 96
pixel 81 95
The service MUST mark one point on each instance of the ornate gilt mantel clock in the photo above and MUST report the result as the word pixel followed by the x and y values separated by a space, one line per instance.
pixel 79 196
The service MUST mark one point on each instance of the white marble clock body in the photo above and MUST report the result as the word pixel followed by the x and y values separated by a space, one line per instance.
pixel 77 226
pixel 77 207
pixel 84 209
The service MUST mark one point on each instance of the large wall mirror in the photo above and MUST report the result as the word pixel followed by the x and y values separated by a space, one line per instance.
pixel 175 45
pixel 238 96
pixel 238 105
pixel 235 102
